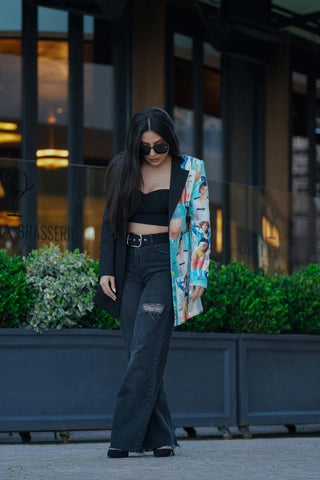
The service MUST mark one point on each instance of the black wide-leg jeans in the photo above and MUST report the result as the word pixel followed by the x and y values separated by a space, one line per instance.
pixel 142 419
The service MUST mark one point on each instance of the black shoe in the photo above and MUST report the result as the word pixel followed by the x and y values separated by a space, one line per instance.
pixel 163 452
pixel 117 453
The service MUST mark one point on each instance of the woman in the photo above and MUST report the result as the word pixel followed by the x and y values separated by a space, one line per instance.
pixel 149 210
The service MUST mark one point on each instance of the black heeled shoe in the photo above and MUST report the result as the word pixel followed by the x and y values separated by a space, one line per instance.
pixel 117 453
pixel 163 452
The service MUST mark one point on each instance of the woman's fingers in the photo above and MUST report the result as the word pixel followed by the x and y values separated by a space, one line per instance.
pixel 196 292
pixel 108 285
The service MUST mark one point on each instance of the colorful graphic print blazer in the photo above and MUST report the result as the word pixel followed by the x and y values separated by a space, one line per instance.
pixel 189 234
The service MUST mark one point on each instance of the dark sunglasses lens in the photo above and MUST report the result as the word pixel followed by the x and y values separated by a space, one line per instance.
pixel 161 148
pixel 145 149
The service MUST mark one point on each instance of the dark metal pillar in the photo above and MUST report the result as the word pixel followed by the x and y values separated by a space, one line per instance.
pixel 75 133
pixel 28 171
pixel 122 36
pixel 170 80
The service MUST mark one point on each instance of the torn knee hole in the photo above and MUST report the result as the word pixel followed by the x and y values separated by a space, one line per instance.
pixel 153 307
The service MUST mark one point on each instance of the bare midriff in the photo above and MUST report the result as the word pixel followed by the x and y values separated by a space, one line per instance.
pixel 144 229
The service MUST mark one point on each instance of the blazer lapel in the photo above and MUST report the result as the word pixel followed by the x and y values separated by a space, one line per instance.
pixel 177 183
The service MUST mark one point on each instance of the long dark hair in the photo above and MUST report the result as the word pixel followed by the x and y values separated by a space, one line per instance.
pixel 123 176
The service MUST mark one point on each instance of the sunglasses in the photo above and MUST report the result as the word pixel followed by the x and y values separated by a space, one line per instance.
pixel 159 148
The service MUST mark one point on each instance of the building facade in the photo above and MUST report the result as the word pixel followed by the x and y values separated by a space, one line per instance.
pixel 241 80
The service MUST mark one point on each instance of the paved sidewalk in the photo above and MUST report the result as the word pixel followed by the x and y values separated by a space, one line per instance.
pixel 269 455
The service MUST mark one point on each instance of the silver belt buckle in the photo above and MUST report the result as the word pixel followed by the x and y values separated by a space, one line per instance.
pixel 140 240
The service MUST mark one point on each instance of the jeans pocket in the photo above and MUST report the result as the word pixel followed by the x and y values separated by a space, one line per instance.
pixel 162 248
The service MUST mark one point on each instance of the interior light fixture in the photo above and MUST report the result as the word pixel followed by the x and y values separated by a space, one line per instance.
pixel 6 132
pixel 10 137
pixel 8 126
pixel 90 233
pixel 52 158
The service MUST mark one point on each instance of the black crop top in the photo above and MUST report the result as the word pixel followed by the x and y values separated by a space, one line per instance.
pixel 153 208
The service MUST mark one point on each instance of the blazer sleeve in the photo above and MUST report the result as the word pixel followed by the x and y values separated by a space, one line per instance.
pixel 199 276
pixel 107 248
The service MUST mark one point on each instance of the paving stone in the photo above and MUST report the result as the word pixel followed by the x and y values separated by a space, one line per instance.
pixel 278 456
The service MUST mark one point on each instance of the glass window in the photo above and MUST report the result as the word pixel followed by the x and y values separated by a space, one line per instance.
pixel 52 152
pixel 98 93
pixel 300 141
pixel 212 142
pixel 212 123
pixel 52 21
pixel 305 238
pixel 10 116
pixel 98 124
pixel 10 97
pixel 11 17
pixel 10 79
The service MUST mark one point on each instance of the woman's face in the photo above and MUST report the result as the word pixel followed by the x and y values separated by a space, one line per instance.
pixel 151 138
pixel 204 227
pixel 203 190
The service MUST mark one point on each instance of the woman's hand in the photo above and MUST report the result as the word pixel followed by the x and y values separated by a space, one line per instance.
pixel 196 292
pixel 108 285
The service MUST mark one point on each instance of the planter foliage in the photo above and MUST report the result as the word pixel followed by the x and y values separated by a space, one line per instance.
pixel 239 300
pixel 51 289
pixel 15 294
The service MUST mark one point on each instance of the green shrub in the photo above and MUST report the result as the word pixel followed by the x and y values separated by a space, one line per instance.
pixel 50 289
pixel 239 300
pixel 15 294
pixel 64 285
pixel 303 296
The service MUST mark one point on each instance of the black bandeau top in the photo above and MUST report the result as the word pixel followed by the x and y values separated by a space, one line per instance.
pixel 153 208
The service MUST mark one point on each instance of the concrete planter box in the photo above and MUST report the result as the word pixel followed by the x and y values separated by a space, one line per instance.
pixel 63 379
pixel 68 379
pixel 279 379
pixel 201 379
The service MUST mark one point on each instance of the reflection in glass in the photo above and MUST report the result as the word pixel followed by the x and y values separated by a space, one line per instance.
pixel 98 93
pixel 52 93
pixel 52 222
pixel 305 171
pixel 259 240
pixel 10 97
pixel 183 113
pixel 99 90
pixel 52 152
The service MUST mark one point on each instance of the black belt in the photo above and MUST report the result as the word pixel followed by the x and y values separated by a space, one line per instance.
pixel 137 240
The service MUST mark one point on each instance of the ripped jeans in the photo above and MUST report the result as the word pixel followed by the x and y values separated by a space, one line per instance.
pixel 142 419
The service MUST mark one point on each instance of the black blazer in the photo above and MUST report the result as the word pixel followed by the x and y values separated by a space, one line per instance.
pixel 113 251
